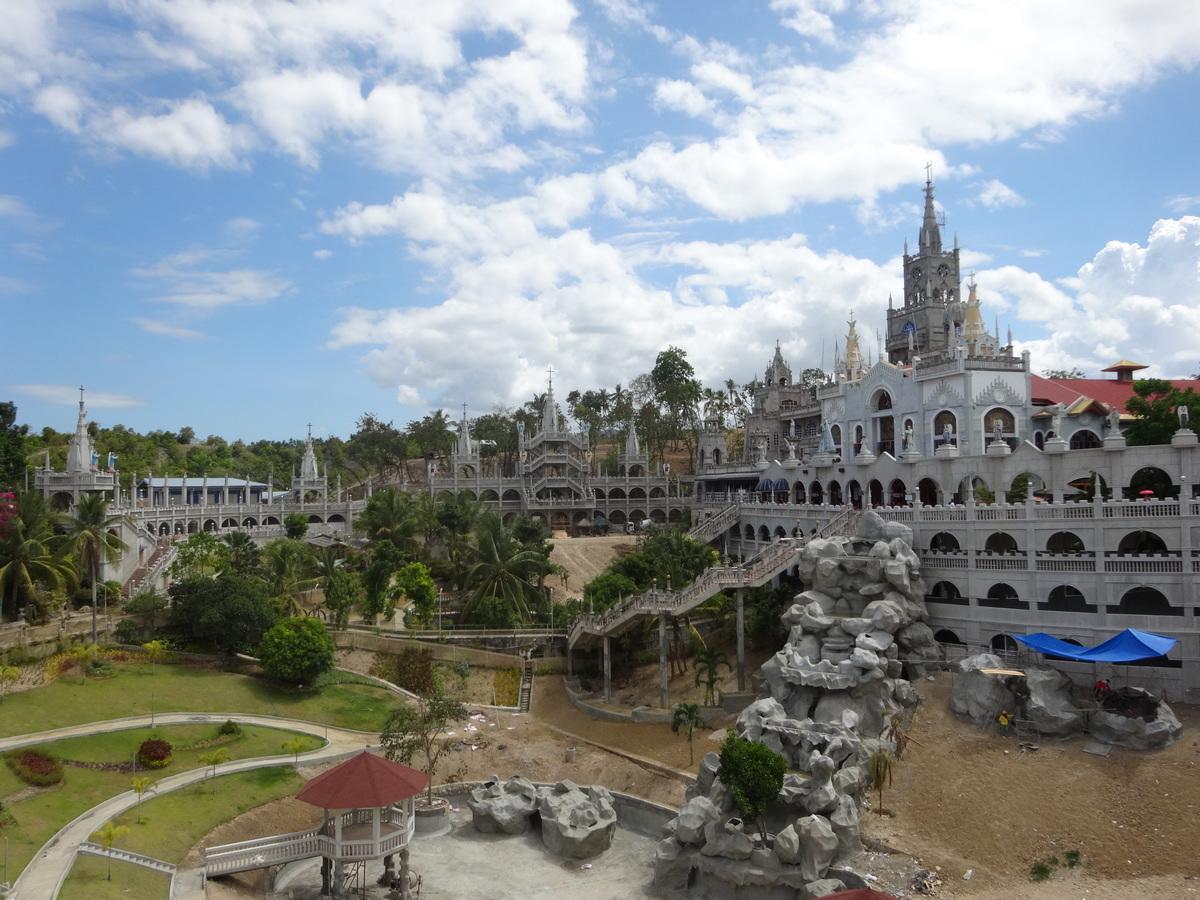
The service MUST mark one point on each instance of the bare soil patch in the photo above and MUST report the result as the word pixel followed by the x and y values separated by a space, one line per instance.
pixel 584 558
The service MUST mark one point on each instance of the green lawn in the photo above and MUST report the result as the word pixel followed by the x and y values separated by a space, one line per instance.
pixel 39 816
pixel 89 881
pixel 173 823
pixel 68 701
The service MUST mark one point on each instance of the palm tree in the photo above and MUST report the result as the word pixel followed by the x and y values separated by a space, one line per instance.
pixel 140 784
pixel 500 576
pixel 110 832
pixel 214 758
pixel 708 664
pixel 28 557
pixel 686 717
pixel 92 534
pixel 286 566
pixel 390 515
pixel 879 770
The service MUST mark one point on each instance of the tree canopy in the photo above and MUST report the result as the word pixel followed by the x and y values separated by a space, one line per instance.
pixel 296 651
pixel 1155 402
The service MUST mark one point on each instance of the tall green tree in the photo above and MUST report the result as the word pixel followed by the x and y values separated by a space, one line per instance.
pixel 392 516
pixel 287 568
pixel 676 390
pixel 500 580
pixel 29 560
pixel 296 651
pixel 754 775
pixel 202 555
pixel 1155 403
pixel 707 663
pixel 419 728
pixel 12 447
pixel 93 533
pixel 228 613
pixel 244 556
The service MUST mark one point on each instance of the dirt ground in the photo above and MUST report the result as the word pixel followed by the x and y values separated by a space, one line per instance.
pixel 639 687
pixel 967 799
pixel 584 558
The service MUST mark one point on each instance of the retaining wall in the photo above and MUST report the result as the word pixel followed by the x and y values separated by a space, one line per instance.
pixel 382 643
pixel 639 714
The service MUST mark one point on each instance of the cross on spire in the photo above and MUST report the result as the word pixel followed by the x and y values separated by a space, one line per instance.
pixel 550 376
pixel 929 172
pixel 81 393
pixel 310 431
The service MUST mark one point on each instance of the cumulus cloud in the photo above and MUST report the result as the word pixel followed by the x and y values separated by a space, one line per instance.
pixel 67 395
pixel 184 279
pixel 322 254
pixel 191 134
pixel 995 194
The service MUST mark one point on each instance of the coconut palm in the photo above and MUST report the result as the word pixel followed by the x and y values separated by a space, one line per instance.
pixel 686 717
pixel 286 567
pixel 707 663
pixel 499 579
pixel 93 534
pixel 29 560
pixel 110 832
pixel 390 515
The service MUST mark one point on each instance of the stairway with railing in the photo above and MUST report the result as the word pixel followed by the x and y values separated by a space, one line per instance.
pixel 758 570
pixel 707 529
pixel 163 556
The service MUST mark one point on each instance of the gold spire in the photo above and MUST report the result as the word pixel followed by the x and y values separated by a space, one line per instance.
pixel 973 328
pixel 853 353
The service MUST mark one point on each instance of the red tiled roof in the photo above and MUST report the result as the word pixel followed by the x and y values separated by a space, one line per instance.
pixel 1109 391
pixel 363 782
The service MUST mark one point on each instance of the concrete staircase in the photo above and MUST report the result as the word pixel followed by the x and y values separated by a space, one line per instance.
pixel 758 570
pixel 707 529
pixel 525 698
pixel 164 553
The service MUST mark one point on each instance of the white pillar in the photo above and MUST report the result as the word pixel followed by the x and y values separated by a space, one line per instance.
pixel 375 826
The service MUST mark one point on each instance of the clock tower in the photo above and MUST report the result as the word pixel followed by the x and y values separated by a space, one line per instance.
pixel 932 315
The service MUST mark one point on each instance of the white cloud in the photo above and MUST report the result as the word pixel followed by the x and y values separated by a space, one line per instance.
pixel 322 254
pixel 10 285
pixel 995 194
pixel 180 279
pixel 683 96
pixel 166 329
pixel 1183 202
pixel 67 395
pixel 811 18
pixel 13 207
pixel 61 105
pixel 191 134
pixel 242 227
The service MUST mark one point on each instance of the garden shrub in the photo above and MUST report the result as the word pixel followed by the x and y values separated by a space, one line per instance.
pixel 154 753
pixel 230 727
pixel 411 669
pixel 35 767
pixel 506 684
pixel 296 651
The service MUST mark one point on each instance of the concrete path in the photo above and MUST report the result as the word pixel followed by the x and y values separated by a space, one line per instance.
pixel 43 877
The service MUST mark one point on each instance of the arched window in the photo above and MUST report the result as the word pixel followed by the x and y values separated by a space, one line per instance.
pixel 1141 542
pixel 875 488
pixel 1064 542
pixel 927 492
pixel 702 457
pixel 835 493
pixel 1002 643
pixel 897 493
pixel 798 495
pixel 749 532
pixel 1066 598
pixel 815 493
pixel 780 532
pixel 1000 542
pixel 998 414
pixel 945 592
pixel 940 421
pixel 883 400
pixel 836 433
pixel 716 457
pixel 946 636
pixel 1084 439
pixel 1039 440
pixel 1151 482
pixel 1145 601
pixel 1003 596
pixel 854 489
pixel 943 542
pixel 763 534
pixel 858 439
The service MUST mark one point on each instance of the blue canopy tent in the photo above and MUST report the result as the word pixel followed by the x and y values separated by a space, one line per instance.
pixel 1129 646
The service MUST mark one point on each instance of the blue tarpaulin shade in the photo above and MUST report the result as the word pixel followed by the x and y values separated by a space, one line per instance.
pixel 1128 646
pixel 764 485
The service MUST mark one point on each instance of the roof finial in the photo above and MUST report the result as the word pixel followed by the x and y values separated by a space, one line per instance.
pixel 310 431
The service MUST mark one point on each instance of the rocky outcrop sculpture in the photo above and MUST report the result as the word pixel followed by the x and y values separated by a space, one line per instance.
pixel 576 822
pixel 978 696
pixel 854 633
pixel 1138 722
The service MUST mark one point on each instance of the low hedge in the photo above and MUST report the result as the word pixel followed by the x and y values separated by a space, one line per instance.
pixel 35 767
pixel 154 753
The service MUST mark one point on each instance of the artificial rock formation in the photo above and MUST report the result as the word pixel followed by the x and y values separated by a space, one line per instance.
pixel 828 694
pixel 576 822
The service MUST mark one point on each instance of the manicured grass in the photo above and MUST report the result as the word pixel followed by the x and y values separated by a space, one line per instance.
pixel 89 881
pixel 68 701
pixel 173 823
pixel 39 816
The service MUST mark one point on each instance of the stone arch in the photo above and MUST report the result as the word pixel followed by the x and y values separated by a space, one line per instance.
pixel 780 532
pixel 1039 440
pixel 466 471
pixel 835 493
pixel 1000 542
pixel 815 494
pixel 61 501
pixel 616 494
pixel 1008 423
pixel 675 515
pixel 637 515
pixel 716 456
pixel 511 496
pixel 1003 643
pixel 735 532
pixel 881 400
pixel 637 493
pixel 946 636
pixel 229 523
pixel 637 471
pixel 193 527
pixel 1025 485
pixel 180 528
pixel 1153 479
pixel 855 494
pixel 488 495
pixel 314 519
pixel 1065 542
pixel 1084 439
pixel 944 542
pixel 1145 601
pixel 559 521
pixel 469 494
pixel 657 516
pixel 897 493
pixel 875 492
pixel 976 487
pixel 249 522
pixel 928 492
pixel 164 528
pixel 617 517
pixel 271 520
pixel 657 493
pixel 1141 542
pixel 836 434
pixel 749 532
pixel 336 518
pixel 798 494
pixel 211 524
pixel 1067 598
pixel 598 493
pixel 946 592
pixel 763 534
pixel 1005 596
pixel 1084 485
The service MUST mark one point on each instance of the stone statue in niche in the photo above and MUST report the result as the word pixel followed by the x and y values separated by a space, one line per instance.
pixel 1184 414
pixel 908 436
pixel 997 429
pixel 947 435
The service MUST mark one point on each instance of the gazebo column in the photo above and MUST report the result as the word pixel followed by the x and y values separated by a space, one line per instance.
pixel 375 827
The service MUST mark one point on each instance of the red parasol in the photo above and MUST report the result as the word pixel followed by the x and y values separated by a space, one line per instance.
pixel 1146 493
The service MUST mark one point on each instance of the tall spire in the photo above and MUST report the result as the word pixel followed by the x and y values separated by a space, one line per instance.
pixel 930 241
pixel 308 465
pixel 973 328
pixel 464 435
pixel 632 450
pixel 79 449
pixel 854 359
pixel 549 414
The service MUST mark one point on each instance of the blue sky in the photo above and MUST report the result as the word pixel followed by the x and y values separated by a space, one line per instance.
pixel 245 215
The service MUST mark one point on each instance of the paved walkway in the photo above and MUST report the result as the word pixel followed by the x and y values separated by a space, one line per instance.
pixel 44 875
